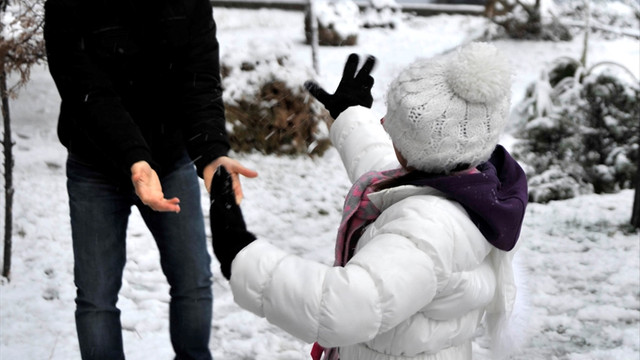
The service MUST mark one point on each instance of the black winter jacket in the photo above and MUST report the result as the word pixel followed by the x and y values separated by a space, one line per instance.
pixel 139 80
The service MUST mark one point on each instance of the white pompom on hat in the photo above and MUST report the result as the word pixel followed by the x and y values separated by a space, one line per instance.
pixel 449 111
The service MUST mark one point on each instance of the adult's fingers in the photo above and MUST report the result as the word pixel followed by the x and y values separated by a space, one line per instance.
pixel 163 205
pixel 167 205
pixel 235 169
pixel 239 169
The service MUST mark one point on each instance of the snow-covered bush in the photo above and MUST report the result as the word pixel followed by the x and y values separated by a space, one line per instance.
pixel 338 22
pixel 553 184
pixel 608 18
pixel 579 130
pixel 267 108
pixel 381 13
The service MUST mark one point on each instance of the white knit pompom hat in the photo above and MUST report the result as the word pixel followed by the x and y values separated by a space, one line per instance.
pixel 450 111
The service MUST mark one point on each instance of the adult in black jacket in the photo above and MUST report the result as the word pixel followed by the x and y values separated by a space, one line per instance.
pixel 141 105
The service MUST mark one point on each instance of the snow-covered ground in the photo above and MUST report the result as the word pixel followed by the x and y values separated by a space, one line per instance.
pixel 582 260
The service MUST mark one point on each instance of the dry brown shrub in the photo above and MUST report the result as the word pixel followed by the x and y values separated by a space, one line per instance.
pixel 328 35
pixel 276 119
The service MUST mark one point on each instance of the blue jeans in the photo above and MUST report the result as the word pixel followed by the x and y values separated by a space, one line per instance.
pixel 100 211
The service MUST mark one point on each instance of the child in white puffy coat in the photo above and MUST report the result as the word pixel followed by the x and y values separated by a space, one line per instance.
pixel 424 251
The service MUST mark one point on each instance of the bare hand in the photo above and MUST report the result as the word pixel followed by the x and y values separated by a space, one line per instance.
pixel 149 190
pixel 234 168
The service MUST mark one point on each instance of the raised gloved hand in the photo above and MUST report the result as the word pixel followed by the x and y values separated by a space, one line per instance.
pixel 228 231
pixel 354 88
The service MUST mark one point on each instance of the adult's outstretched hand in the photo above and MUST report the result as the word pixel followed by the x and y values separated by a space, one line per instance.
pixel 149 189
pixel 234 168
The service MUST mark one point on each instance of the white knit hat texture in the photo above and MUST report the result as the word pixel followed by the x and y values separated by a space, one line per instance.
pixel 450 110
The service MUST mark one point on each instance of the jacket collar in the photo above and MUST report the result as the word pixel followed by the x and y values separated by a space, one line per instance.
pixel 384 198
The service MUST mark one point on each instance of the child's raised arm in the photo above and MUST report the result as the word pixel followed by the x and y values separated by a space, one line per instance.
pixel 361 141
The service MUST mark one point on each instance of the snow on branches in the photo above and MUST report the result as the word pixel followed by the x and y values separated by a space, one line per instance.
pixel 579 131
pixel 21 41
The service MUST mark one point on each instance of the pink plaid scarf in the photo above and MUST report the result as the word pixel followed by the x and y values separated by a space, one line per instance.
pixel 358 211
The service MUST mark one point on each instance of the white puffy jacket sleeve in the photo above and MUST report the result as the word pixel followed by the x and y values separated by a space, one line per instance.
pixel 362 142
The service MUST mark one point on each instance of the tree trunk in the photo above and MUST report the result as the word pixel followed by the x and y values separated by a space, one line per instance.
pixel 587 30
pixel 635 215
pixel 314 37
pixel 8 176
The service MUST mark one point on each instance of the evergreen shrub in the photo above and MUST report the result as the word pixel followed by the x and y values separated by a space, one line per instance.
pixel 579 131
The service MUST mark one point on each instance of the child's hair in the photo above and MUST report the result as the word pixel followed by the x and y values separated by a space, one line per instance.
pixel 449 110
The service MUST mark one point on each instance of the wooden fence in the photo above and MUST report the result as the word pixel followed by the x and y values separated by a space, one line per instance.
pixel 301 5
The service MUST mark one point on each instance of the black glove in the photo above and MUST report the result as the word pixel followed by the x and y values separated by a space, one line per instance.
pixel 228 231
pixel 354 89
